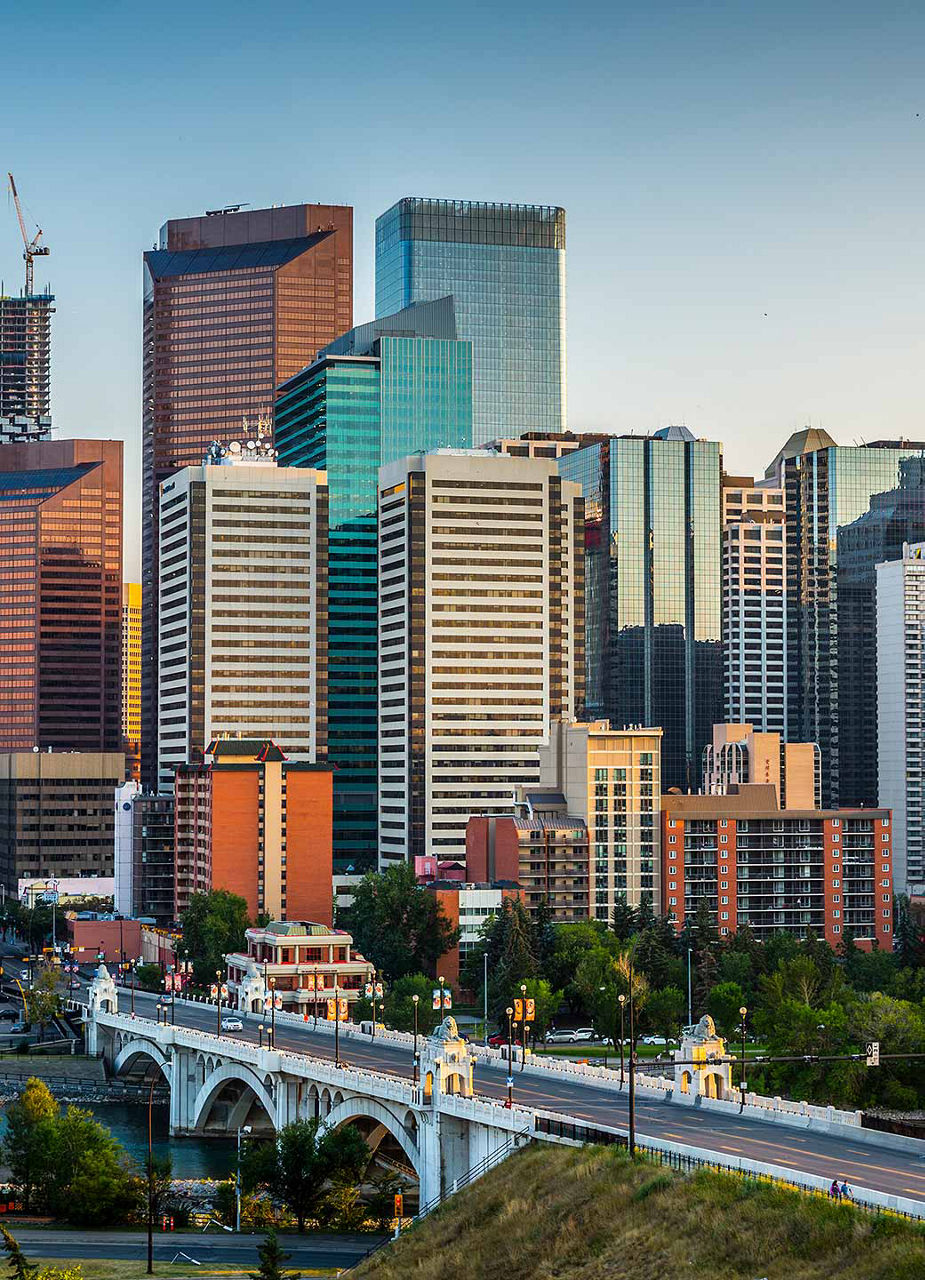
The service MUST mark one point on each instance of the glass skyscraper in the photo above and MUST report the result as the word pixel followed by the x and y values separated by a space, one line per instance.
pixel 386 389
pixel 653 590
pixel 504 265
pixel 836 529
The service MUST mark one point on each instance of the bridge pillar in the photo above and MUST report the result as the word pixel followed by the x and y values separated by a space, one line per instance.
pixel 183 1088
pixel 102 997
pixel 446 1070
pixel 702 1068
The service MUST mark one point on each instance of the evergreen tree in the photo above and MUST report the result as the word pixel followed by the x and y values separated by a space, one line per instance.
pixel 271 1261
pixel 623 918
pixel 20 1267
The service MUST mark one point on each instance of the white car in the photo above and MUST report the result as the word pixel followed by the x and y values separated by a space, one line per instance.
pixel 560 1037
pixel 583 1034
pixel 232 1024
pixel 653 1040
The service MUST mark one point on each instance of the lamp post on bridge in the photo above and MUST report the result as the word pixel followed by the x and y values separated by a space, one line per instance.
pixel 272 1013
pixel 523 1026
pixel 622 1001
pixel 743 1085
pixel 218 1002
pixel 510 1066
pixel 414 1001
pixel 237 1184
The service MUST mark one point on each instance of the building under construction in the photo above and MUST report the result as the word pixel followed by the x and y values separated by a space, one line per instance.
pixel 25 367
pixel 25 348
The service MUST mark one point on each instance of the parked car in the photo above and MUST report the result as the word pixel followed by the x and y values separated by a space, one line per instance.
pixel 497 1040
pixel 232 1024
pixel 560 1037
pixel 653 1040
pixel 583 1034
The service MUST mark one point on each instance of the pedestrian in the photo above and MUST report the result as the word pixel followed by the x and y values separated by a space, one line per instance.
pixel 835 1190
pixel 846 1191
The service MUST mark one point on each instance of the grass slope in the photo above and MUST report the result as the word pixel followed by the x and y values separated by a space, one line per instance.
pixel 588 1213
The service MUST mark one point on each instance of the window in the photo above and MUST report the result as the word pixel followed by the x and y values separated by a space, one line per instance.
pixel 725 915
pixel 836 822
pixel 672 839
pixel 723 839
pixel 884 822
pixel 672 902
pixel 885 838
pixel 835 838
pixel 836 913
pixel 723 822
pixel 724 901
pixel 724 884
pixel 836 928
pixel 836 897
pixel 836 884
pixel 885 867
pixel 886 913
pixel 672 885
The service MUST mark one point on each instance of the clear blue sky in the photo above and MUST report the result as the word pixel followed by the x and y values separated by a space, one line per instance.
pixel 744 183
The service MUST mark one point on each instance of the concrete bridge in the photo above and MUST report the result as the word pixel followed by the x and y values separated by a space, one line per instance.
pixel 454 1124
pixel 436 1130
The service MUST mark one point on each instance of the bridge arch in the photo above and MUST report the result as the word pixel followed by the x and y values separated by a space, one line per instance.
pixel 130 1050
pixel 370 1109
pixel 230 1073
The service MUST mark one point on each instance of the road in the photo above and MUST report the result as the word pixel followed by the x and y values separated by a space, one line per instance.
pixel 879 1168
pixel 313 1250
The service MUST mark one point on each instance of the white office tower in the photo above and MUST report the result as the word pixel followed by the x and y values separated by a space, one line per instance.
pixel 900 724
pixel 242 616
pixel 481 638
pixel 754 605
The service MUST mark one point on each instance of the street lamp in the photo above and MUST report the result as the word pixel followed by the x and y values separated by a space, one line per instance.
pixel 523 1026
pixel 336 1024
pixel 414 1001
pixel 742 1083
pixel 510 1068
pixel 315 998
pixel 218 1001
pixel 622 999
pixel 690 1003
pixel 272 1013
pixel 632 1097
pixel 260 1034
pixel 237 1185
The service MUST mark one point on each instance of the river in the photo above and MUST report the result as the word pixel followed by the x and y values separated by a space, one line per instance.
pixel 190 1157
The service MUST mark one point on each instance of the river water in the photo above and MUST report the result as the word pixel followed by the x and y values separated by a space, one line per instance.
pixel 190 1157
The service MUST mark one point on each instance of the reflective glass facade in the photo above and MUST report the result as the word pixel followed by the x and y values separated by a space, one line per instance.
pixel 833 540
pixel 653 589
pixel 348 414
pixel 505 267
pixel 234 303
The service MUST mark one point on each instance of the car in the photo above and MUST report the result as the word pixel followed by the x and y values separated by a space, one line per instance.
pixel 653 1040
pixel 583 1034
pixel 497 1040
pixel 560 1037
pixel 232 1024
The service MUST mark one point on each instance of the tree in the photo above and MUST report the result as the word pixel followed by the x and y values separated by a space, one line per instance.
pixel 399 924
pixel 546 1003
pixel 623 918
pixel 27 1142
pixel 665 1011
pixel 602 979
pixel 44 998
pixel 908 934
pixel 20 1267
pixel 304 1158
pixel 571 943
pixel 271 1261
pixel 91 1182
pixel 213 924
pixel 723 1005
pixel 149 977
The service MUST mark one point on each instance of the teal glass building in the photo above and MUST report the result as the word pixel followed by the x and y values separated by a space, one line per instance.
pixel 399 385
pixel 653 588
pixel 504 265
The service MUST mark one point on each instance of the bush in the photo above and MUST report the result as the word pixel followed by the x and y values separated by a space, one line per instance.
pixel 661 1182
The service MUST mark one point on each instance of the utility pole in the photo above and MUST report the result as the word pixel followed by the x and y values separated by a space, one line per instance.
pixel 632 1097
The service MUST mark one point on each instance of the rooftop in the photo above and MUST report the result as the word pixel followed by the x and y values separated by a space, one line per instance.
pixel 163 263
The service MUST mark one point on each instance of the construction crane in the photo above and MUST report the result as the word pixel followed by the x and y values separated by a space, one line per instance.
pixel 31 248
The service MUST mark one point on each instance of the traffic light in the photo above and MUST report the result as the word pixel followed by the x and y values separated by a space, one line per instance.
pixel 518 1010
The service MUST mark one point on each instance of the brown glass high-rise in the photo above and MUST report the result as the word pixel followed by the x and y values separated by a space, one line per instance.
pixel 236 302
pixel 61 595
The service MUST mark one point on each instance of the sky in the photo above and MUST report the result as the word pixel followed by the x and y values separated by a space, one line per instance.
pixel 744 184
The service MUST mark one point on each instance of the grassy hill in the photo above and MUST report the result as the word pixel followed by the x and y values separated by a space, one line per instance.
pixel 586 1214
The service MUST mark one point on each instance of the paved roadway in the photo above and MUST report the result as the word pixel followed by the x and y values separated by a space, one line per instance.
pixel 879 1168
pixel 315 1250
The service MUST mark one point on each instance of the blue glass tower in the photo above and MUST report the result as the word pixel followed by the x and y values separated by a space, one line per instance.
pixel 386 389
pixel 504 265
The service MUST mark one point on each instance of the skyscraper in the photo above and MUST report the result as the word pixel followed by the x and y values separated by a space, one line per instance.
pixel 653 588
pixel 480 638
pixel 235 303
pixel 830 603
pixel 900 722
pixel 61 595
pixel 504 264
pixel 380 391
pixel 243 603
pixel 25 366
pixel 754 605
pixel 131 677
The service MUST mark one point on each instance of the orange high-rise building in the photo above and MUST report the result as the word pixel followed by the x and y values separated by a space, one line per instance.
pixel 250 821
